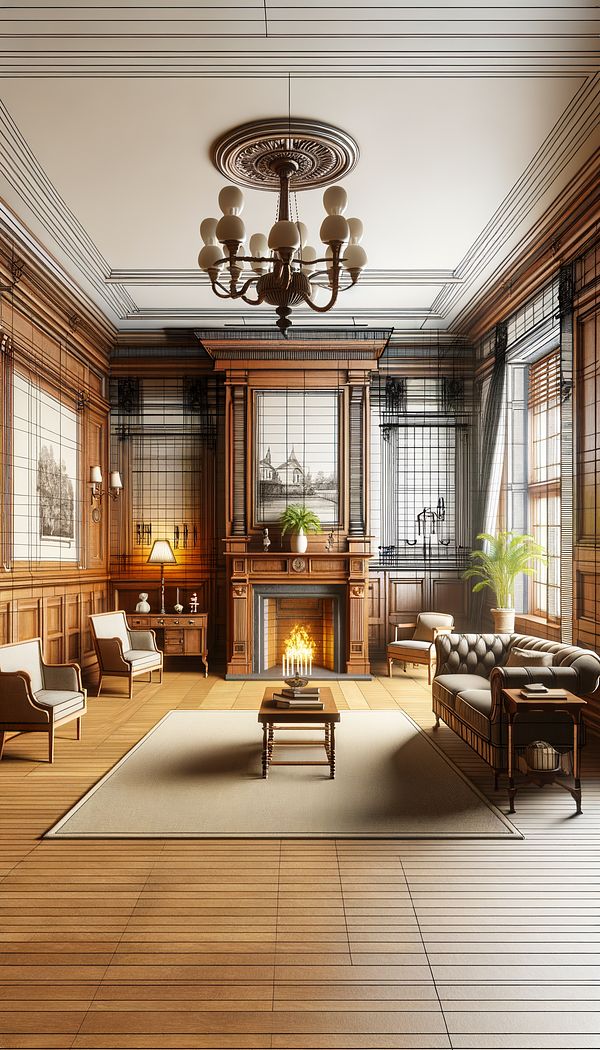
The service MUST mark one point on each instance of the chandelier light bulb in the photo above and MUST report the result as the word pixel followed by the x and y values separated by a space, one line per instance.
pixel 309 254
pixel 334 229
pixel 231 200
pixel 335 200
pixel 259 245
pixel 355 257
pixel 303 231
pixel 209 257
pixel 230 228
pixel 356 230
pixel 208 231
pixel 284 235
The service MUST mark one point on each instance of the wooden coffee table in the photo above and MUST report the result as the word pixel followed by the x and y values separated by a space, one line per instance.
pixel 283 719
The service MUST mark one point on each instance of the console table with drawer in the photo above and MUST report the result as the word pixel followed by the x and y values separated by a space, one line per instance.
pixel 181 635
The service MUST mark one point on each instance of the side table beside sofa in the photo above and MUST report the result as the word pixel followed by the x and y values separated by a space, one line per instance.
pixel 473 673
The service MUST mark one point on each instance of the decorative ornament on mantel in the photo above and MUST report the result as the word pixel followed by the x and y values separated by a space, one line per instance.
pixel 283 155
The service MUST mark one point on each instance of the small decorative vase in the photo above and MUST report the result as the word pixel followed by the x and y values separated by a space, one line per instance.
pixel 143 606
pixel 504 620
pixel 299 542
pixel 178 608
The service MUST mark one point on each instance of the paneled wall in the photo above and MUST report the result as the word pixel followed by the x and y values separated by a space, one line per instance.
pixel 58 360
pixel 586 561
pixel 396 596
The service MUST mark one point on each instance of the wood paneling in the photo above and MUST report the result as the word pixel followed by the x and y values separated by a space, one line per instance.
pixel 398 596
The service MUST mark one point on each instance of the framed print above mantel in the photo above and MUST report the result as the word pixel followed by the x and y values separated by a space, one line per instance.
pixel 296 453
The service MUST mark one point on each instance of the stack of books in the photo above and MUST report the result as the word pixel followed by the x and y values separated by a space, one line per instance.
pixel 305 696
pixel 533 690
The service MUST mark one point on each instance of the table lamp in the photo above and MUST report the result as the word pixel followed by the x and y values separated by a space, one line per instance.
pixel 162 554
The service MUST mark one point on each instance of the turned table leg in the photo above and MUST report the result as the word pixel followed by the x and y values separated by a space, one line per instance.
pixel 265 752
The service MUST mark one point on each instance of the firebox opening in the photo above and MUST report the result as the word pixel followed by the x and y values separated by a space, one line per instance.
pixel 278 611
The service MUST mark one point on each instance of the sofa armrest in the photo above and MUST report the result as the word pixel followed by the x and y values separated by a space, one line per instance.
pixel 516 677
pixel 17 701
pixel 144 640
pixel 110 655
pixel 63 676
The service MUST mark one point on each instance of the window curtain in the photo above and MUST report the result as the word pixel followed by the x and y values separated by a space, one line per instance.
pixel 491 458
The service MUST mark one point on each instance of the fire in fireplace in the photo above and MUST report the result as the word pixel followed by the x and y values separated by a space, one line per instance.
pixel 298 652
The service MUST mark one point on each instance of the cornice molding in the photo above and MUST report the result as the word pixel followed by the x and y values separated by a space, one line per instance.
pixel 560 236
pixel 47 295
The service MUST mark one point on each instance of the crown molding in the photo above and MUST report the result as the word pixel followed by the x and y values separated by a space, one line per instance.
pixel 560 236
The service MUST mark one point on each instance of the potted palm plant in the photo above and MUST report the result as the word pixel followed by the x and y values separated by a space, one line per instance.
pixel 503 558
pixel 299 520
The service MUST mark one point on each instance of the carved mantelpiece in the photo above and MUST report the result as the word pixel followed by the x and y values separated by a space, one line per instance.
pixel 256 568
pixel 317 359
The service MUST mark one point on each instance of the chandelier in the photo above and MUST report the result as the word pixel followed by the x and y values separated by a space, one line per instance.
pixel 283 270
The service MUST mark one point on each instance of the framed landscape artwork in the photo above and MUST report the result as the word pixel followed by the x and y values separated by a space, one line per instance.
pixel 45 509
pixel 296 453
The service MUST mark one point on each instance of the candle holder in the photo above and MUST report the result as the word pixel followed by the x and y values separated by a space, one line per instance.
pixel 296 682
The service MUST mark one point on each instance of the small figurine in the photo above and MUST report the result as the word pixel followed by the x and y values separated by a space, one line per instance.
pixel 143 606
pixel 178 607
pixel 329 543
pixel 194 603
pixel 266 540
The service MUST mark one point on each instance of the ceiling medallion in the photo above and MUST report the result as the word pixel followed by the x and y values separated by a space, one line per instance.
pixel 322 153
pixel 283 155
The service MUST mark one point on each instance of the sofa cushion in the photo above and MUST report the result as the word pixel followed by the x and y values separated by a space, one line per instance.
pixel 457 683
pixel 473 706
pixel 528 658
pixel 446 686
pixel 142 658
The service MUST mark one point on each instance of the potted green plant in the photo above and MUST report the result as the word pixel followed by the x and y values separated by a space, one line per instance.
pixel 503 558
pixel 299 520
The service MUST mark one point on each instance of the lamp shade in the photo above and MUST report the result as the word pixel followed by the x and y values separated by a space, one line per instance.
pixel 161 554
pixel 95 476
pixel 115 480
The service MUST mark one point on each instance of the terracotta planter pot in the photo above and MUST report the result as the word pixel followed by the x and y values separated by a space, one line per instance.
pixel 504 620
pixel 299 542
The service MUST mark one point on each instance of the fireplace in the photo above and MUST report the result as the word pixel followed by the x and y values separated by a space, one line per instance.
pixel 278 608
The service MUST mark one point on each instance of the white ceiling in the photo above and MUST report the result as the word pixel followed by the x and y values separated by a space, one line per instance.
pixel 469 120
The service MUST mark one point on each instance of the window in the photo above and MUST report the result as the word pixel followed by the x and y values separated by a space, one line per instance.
pixel 420 470
pixel 544 482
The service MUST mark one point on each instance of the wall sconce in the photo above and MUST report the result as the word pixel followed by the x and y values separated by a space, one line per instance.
pixel 97 492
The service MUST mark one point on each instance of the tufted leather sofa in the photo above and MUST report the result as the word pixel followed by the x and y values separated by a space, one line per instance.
pixel 471 674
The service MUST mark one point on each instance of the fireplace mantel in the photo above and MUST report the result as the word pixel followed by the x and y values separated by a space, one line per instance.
pixel 253 569
pixel 311 360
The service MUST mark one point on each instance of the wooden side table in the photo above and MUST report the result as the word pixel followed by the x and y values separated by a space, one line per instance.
pixel 571 705
pixel 281 719
pixel 181 635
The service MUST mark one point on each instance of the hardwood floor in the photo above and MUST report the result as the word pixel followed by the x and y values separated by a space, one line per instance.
pixel 291 943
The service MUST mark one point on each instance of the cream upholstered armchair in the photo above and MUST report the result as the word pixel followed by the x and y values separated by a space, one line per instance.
pixel 121 652
pixel 36 697
pixel 420 649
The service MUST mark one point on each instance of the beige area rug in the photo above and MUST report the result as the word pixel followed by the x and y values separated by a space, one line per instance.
pixel 197 774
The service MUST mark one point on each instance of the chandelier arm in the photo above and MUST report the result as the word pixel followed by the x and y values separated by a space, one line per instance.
pixel 335 285
pixel 224 294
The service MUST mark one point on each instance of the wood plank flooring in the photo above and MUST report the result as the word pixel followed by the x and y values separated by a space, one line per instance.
pixel 291 943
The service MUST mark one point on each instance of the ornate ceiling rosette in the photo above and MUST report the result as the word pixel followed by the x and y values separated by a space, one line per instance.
pixel 249 154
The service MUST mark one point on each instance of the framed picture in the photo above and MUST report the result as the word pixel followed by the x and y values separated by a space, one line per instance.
pixel 45 506
pixel 296 453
